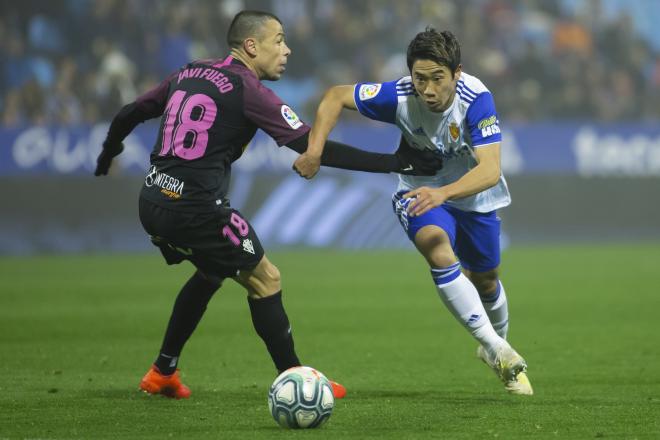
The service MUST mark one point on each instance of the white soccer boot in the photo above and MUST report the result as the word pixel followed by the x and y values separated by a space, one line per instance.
pixel 510 367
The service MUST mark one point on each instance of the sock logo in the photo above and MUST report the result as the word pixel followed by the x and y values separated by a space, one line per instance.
pixel 473 318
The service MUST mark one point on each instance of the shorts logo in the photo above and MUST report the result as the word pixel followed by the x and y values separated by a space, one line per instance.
pixel 185 251
pixel 291 117
pixel 454 131
pixel 368 91
pixel 247 246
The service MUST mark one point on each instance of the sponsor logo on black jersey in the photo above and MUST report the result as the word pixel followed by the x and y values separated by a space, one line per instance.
pixel 169 186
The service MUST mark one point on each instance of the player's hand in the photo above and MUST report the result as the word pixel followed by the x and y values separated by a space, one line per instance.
pixel 424 199
pixel 307 165
pixel 104 160
pixel 418 162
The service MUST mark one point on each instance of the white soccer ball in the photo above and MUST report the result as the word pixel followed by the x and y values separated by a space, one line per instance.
pixel 301 397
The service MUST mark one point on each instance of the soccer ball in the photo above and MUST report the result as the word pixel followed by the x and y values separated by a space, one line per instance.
pixel 301 397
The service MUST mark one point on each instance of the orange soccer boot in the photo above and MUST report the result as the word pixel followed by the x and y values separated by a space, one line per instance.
pixel 338 390
pixel 154 382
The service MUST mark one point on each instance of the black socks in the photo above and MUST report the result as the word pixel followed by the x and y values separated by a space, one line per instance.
pixel 272 325
pixel 188 310
pixel 268 317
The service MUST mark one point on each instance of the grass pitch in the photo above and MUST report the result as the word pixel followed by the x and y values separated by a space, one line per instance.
pixel 77 334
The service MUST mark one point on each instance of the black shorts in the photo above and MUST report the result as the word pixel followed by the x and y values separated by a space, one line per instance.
pixel 220 243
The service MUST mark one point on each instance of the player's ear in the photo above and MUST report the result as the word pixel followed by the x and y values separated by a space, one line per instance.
pixel 457 73
pixel 250 47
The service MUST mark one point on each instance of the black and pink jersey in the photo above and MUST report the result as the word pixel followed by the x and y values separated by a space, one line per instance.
pixel 210 111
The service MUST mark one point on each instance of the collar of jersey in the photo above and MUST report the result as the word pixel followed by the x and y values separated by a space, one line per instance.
pixel 237 61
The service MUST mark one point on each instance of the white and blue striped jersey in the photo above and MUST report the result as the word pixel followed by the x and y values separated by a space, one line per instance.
pixel 470 122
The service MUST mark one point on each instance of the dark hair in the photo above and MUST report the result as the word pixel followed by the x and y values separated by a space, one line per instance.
pixel 247 24
pixel 441 47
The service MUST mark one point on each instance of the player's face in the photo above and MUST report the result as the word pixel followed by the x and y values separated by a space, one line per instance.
pixel 435 84
pixel 272 51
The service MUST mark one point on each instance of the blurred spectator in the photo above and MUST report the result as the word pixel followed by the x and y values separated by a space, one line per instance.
pixel 571 37
pixel 78 61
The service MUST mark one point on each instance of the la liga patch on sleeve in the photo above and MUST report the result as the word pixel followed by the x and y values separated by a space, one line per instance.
pixel 291 117
pixel 368 91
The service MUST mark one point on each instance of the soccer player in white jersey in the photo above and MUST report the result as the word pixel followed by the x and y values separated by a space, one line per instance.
pixel 450 217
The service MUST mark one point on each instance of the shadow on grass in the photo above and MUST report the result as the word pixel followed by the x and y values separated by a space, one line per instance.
pixel 230 397
pixel 435 395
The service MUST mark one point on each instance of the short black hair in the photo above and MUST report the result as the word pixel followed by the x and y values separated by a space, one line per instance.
pixel 247 24
pixel 441 47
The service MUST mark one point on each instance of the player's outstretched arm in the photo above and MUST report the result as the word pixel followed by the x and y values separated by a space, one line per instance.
pixel 334 100
pixel 405 160
pixel 120 127
pixel 147 106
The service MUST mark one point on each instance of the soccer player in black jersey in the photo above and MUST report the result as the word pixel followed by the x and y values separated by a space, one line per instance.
pixel 210 110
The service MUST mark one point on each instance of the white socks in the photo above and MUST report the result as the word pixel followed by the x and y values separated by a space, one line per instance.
pixel 462 299
pixel 497 309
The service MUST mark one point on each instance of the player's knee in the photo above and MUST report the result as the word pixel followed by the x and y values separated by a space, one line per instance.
pixel 264 280
pixel 273 277
pixel 485 282
pixel 434 244
pixel 440 258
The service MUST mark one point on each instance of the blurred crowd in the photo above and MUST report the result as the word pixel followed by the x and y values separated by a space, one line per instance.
pixel 79 61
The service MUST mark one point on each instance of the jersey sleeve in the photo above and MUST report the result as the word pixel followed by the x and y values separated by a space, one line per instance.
pixel 152 103
pixel 268 112
pixel 147 106
pixel 482 121
pixel 377 101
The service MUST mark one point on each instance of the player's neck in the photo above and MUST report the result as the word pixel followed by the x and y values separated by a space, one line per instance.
pixel 243 58
pixel 449 103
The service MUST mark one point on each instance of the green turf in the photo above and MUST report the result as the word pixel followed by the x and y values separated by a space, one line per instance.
pixel 77 333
